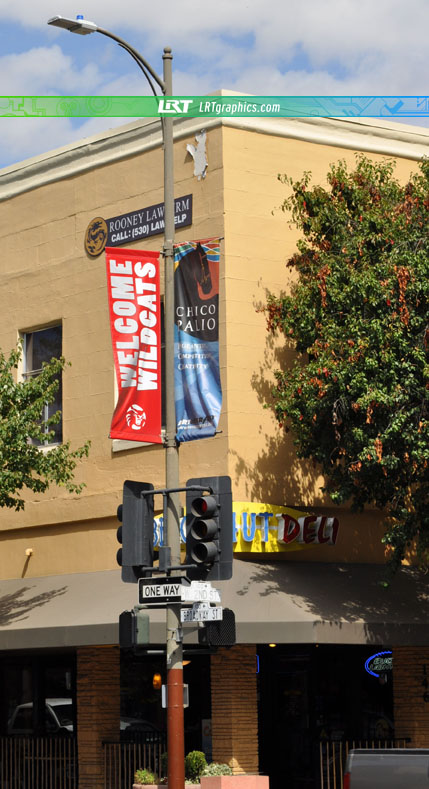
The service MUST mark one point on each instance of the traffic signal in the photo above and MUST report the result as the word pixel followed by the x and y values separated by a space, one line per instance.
pixel 136 532
pixel 209 528
pixel 220 633
pixel 133 629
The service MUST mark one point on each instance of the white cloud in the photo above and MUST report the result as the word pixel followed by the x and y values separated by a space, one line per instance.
pixel 21 138
pixel 365 43
pixel 46 70
pixel 326 28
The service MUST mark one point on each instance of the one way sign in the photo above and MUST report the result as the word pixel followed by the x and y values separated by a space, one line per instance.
pixel 160 591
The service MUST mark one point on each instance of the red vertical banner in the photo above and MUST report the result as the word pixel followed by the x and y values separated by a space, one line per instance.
pixel 135 323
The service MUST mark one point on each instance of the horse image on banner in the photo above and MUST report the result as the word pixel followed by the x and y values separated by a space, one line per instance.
pixel 196 339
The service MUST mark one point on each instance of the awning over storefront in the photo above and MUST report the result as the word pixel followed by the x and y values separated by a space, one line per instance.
pixel 282 602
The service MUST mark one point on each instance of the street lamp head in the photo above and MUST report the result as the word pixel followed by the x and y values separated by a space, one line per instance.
pixel 84 26
pixel 78 25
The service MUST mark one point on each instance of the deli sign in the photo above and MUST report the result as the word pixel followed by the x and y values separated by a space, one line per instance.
pixel 259 527
pixel 269 528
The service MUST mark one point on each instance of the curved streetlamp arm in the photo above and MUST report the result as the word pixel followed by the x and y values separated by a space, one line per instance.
pixel 141 67
pixel 145 66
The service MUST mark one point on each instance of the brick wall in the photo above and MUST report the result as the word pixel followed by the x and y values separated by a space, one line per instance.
pixel 411 711
pixel 235 708
pixel 98 710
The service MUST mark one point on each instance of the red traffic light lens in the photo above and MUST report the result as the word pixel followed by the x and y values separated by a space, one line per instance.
pixel 204 505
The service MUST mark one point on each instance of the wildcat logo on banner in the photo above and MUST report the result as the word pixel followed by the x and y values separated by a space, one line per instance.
pixel 196 339
pixel 135 322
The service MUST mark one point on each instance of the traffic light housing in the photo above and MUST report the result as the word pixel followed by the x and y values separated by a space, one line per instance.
pixel 220 633
pixel 209 528
pixel 136 532
pixel 133 629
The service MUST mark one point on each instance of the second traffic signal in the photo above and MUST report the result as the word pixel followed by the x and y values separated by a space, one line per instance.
pixel 136 532
pixel 209 528
pixel 133 629
pixel 219 634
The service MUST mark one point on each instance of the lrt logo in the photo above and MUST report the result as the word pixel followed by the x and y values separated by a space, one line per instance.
pixel 176 106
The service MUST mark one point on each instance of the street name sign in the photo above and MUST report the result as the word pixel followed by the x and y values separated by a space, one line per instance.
pixel 200 592
pixel 201 612
pixel 160 591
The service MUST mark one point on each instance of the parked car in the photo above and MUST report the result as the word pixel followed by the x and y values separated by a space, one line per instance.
pixel 138 723
pixel 58 717
pixel 45 762
pixel 387 768
pixel 140 730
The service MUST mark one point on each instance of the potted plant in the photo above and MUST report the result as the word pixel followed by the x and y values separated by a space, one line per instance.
pixel 196 770
pixel 142 777
pixel 216 768
pixel 195 764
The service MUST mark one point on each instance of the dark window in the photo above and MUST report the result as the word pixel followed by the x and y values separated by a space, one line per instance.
pixel 37 695
pixel 23 723
pixel 42 346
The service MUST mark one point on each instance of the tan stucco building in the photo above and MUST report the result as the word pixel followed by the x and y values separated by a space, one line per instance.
pixel 60 588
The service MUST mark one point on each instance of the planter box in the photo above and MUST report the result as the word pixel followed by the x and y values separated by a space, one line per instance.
pixel 223 782
pixel 164 786
pixel 243 781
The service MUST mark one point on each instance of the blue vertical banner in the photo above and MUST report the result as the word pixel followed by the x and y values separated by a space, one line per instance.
pixel 196 339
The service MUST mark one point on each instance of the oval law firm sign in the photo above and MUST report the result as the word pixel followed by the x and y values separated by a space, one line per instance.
pixel 126 228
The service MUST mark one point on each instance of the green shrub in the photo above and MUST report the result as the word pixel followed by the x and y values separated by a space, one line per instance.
pixel 195 763
pixel 215 768
pixel 164 764
pixel 143 776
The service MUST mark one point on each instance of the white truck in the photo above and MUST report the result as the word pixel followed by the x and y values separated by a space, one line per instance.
pixel 387 768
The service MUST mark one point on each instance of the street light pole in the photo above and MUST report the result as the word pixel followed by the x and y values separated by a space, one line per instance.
pixel 174 648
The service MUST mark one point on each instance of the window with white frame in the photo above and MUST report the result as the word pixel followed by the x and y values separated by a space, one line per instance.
pixel 42 346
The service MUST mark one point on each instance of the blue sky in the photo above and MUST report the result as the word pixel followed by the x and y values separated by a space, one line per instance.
pixel 265 47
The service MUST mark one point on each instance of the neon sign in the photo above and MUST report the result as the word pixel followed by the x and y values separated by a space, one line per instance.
pixel 381 661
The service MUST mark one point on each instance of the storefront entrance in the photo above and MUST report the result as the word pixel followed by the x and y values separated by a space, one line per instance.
pixel 141 706
pixel 312 696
